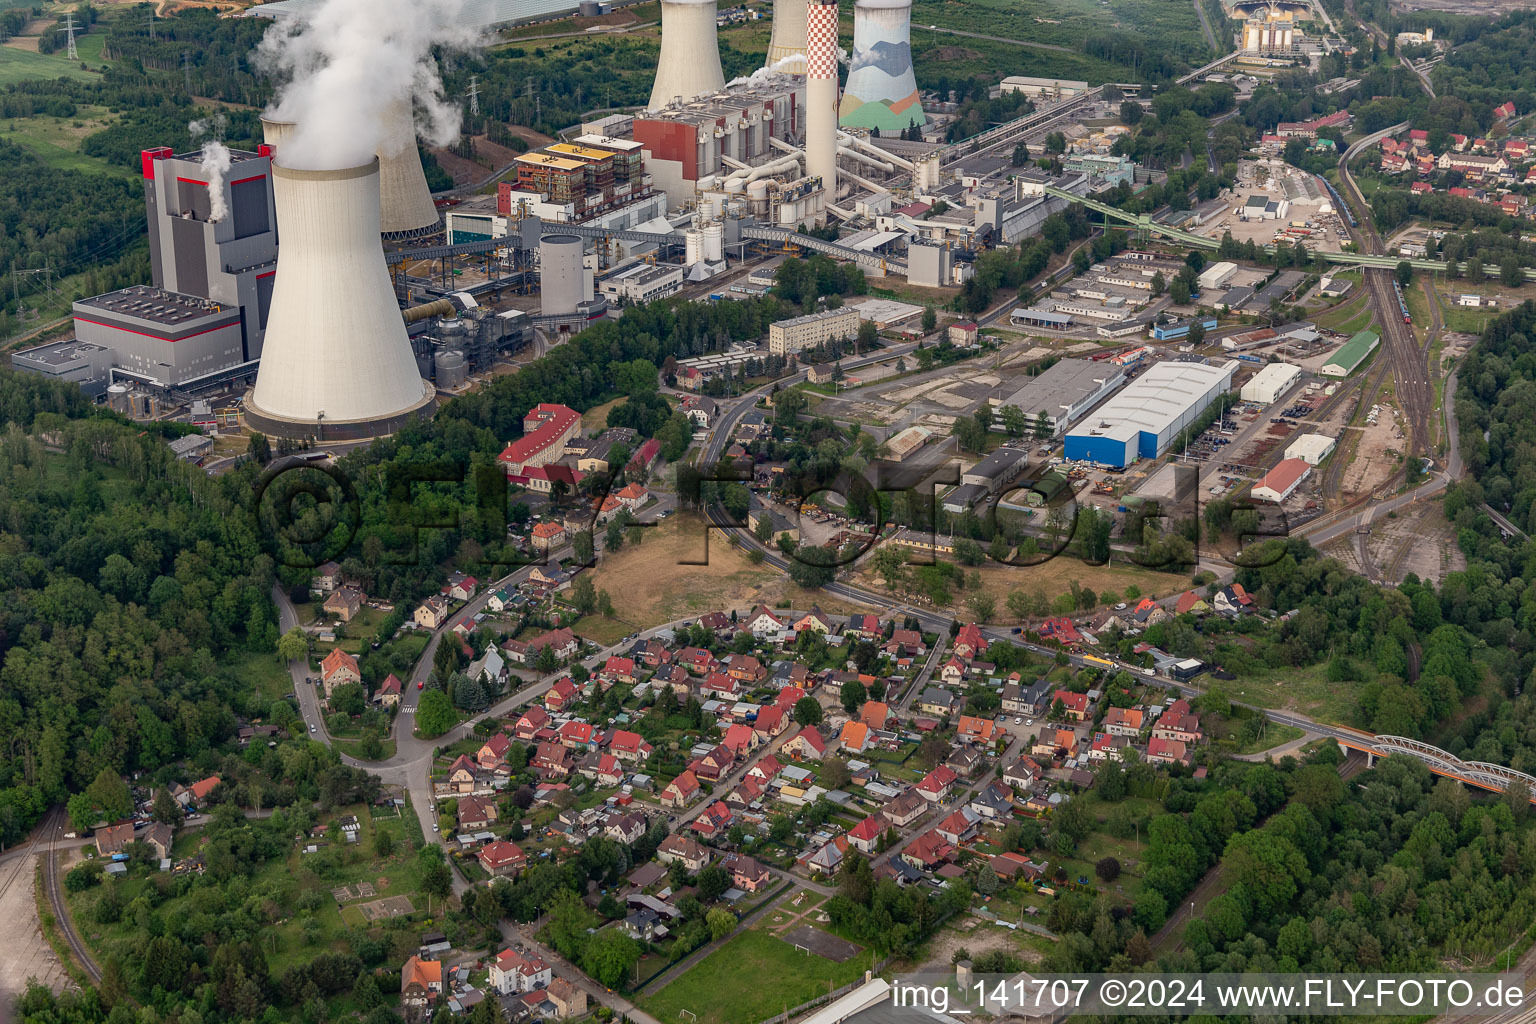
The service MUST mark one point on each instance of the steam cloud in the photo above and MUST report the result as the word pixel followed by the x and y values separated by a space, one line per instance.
pixel 351 70
pixel 215 163
pixel 782 64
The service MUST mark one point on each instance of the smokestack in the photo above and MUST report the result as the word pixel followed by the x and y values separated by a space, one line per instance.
pixel 405 202
pixel 337 362
pixel 821 95
pixel 882 89
pixel 786 50
pixel 689 64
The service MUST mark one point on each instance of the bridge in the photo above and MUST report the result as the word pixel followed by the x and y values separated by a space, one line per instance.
pixel 862 257
pixel 1481 774
pixel 1144 223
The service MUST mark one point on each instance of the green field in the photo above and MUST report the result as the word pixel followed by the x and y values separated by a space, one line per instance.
pixel 24 66
pixel 266 675
pixel 56 140
pixel 750 978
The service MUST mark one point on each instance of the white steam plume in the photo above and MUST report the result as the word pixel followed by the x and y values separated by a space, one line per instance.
pixel 215 163
pixel 350 67
pixel 779 65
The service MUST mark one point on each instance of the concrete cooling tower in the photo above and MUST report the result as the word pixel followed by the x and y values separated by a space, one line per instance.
pixel 689 64
pixel 821 95
pixel 405 202
pixel 882 90
pixel 337 363
pixel 788 42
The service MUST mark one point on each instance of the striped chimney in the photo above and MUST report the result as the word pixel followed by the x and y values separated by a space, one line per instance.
pixel 821 95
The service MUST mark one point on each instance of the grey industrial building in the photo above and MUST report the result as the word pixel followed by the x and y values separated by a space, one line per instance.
pixel 162 337
pixel 1066 391
pixel 989 476
pixel 77 362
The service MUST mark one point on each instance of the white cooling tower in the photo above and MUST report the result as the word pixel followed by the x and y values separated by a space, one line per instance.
pixel 405 202
pixel 689 64
pixel 788 42
pixel 882 87
pixel 821 95
pixel 337 363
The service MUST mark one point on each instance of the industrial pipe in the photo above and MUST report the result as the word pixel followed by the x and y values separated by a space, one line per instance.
pixel 839 212
pixel 883 154
pixel 437 307
pixel 788 163
pixel 853 154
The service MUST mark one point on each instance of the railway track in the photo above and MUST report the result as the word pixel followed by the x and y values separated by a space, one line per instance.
pixel 55 893
pixel 24 859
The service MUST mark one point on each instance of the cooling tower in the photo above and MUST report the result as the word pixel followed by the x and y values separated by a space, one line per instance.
pixel 689 64
pixel 788 42
pixel 821 95
pixel 405 202
pixel 882 90
pixel 337 363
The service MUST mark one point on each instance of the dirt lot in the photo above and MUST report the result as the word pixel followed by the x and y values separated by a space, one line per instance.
pixel 1376 456
pixel 30 956
pixel 975 936
pixel 1419 540
pixel 465 172
pixel 648 586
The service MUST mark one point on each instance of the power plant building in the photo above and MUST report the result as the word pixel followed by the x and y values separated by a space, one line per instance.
pixel 1065 392
pixel 1143 419
pixel 788 337
pixel 160 337
pixel 882 87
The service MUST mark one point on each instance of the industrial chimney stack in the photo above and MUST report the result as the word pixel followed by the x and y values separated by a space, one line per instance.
pixel 689 65
pixel 821 95
pixel 788 42
pixel 336 363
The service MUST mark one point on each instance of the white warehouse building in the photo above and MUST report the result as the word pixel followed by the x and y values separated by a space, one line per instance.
pixel 1144 418
pixel 1274 380
pixel 1311 448
pixel 1216 275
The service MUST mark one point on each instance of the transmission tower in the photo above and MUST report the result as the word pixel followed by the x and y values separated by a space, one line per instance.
pixel 186 70
pixel 150 10
pixel 474 95
pixel 69 34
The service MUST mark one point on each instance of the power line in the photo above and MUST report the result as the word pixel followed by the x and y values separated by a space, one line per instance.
pixel 474 95
pixel 69 31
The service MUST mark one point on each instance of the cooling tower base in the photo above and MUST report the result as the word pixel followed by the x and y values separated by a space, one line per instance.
pixel 336 430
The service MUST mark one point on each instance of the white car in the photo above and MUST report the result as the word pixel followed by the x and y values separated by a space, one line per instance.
pixel 1030 722
pixel 311 728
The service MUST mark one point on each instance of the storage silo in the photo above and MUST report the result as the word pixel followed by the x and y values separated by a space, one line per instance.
pixel 118 400
pixel 714 242
pixel 452 369
pixel 562 278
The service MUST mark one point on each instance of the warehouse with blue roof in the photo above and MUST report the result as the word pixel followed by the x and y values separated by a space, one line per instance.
pixel 1144 418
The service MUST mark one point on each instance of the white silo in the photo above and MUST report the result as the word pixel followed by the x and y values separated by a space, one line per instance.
pixel 788 42
pixel 405 201
pixel 821 95
pixel 714 241
pixel 689 64
pixel 693 245
pixel 562 277
pixel 337 362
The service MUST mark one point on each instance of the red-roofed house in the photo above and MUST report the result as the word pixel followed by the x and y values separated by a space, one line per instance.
pixel 696 660
pixel 534 719
pixel 644 458
pixel 338 669
pixel 762 622
pixel 463 774
pixel 493 752
pixel 502 858
pixel 1504 110
pixel 1191 603
pixel 740 740
pixel 576 734
pixel 1123 721
pixel 620 670
pixel 605 771
pixel 936 785
pixel 546 429
pixel 681 791
pixel 389 691
pixel 806 744
pixel 719 685
pixel 629 746
pixel 958 827
pixel 771 721
pixel 866 834
pixel 969 642
pixel 1075 705
pixel 1061 629
pixel 975 730
pixel 561 696
pixel 717 817
pixel 1161 751
pixel 766 768
pixel 713 764
pixel 928 851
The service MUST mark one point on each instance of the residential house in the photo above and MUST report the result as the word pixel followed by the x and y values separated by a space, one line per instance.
pixel 696 660
pixel 713 765
pixel 953 672
pixel 604 769
pixel 1191 603
pixel 618 670
pixel 855 737
pixel 740 740
pixel 815 619
pixel 1164 751
pixel 326 578
pixel 681 791
pixel 338 669
pixel 389 692
pixel 629 747
pixel 460 587
pixel 500 600
pixel 551 760
pixel 928 851
pixel 765 769
pixel 865 836
pixel 1233 600
pixel 964 759
pixel 548 536
pixel 1022 772
pixel 693 856
pixel 344 603
pixel 746 670
pixel 1033 700
pixel 717 817
pixel 493 752
pixel 865 627
pixel 719 685
pixel 528 726
pixel 909 641
pixel 1106 747
pixel 625 828
pixel 1124 722
pixel 763 622
pixel 431 613
pixel 112 839
pixel 632 496
pixel 1149 613
pixel 936 785
pixel 1177 723
pixel 771 721
pixel 1074 706
pixel 501 858
pixel 475 814
pixel 905 809
pixel 569 1000
pixel 576 735
pixel 875 714
pixel 994 802
pixel 970 642
pixel 937 701
pixel 959 827
pixel 158 837
pixel 718 623
pixel 746 872
pixel 463 775
pixel 806 744
pixel 561 695
pixel 1060 743
pixel 975 730
pixel 827 859
pixel 421 982
pixel 512 973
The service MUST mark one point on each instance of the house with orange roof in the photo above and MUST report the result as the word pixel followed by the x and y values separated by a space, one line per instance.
pixel 1124 722
pixel 338 669
pixel 421 982
pixel 632 496
pixel 874 714
pixel 855 737
pixel 547 536
pixel 975 730
pixel 681 791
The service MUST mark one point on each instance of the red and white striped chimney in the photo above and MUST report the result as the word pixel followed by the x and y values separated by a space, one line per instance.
pixel 821 94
